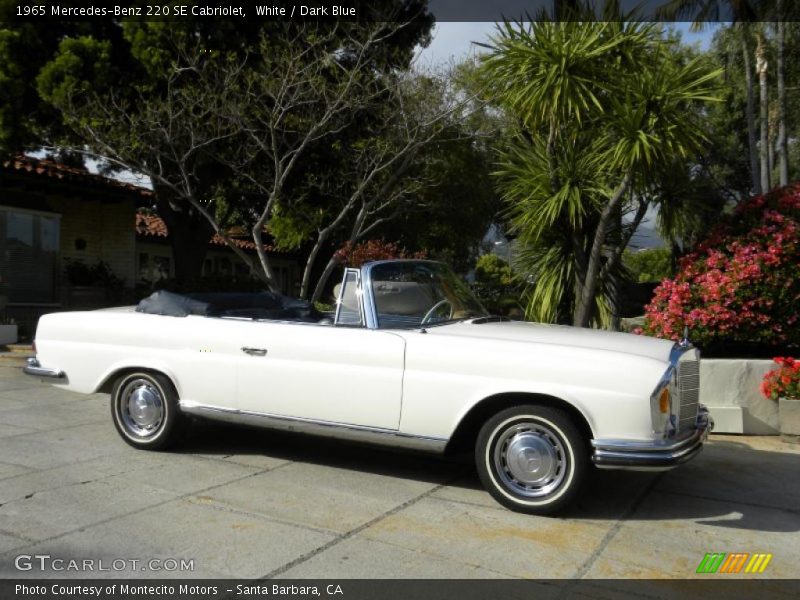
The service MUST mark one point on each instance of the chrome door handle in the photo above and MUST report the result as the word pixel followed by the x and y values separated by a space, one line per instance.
pixel 254 351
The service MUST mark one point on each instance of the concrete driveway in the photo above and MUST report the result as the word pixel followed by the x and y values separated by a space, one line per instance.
pixel 244 504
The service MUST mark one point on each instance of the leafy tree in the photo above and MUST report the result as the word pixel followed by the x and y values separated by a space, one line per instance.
pixel 603 108
pixel 25 46
pixel 170 100
pixel 449 215
pixel 60 57
pixel 742 13
pixel 770 23
pixel 452 215
pixel 497 286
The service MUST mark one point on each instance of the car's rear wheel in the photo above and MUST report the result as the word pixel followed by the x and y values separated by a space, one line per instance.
pixel 144 406
pixel 532 458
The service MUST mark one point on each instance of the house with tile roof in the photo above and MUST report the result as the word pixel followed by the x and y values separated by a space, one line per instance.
pixel 154 256
pixel 54 215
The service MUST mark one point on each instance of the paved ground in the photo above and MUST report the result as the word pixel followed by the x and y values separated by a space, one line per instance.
pixel 244 503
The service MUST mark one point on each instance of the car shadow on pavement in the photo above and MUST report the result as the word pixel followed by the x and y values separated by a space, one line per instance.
pixel 730 485
pixel 220 439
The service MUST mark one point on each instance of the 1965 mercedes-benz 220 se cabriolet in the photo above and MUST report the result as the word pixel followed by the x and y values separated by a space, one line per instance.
pixel 410 359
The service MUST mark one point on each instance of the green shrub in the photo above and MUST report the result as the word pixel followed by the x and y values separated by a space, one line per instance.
pixel 496 285
pixel 649 265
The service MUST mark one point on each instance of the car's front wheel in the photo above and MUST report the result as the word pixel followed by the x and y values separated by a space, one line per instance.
pixel 144 406
pixel 532 458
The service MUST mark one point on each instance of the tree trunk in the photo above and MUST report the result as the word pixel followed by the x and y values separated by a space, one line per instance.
pixel 189 234
pixel 752 144
pixel 581 268
pixel 761 69
pixel 322 237
pixel 323 279
pixel 355 233
pixel 614 283
pixel 583 313
pixel 783 146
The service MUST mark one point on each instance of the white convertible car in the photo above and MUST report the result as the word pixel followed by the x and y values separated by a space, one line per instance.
pixel 411 359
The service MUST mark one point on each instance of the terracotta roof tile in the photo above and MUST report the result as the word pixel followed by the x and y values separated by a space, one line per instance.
pixel 54 170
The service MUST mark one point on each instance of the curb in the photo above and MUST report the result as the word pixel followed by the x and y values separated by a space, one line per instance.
pixel 15 354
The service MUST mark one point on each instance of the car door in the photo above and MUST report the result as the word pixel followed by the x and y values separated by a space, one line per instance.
pixel 337 374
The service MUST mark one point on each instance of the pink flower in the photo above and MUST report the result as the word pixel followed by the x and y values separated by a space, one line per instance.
pixel 743 282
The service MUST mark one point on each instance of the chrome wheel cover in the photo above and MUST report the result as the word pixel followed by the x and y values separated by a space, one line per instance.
pixel 530 459
pixel 141 408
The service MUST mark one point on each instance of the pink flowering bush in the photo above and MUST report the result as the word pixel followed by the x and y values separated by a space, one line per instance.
pixel 356 255
pixel 742 285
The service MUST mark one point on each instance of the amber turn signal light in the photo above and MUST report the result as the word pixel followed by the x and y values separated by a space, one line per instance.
pixel 663 400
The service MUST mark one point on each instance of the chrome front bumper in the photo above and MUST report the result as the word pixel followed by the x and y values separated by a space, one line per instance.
pixel 653 456
pixel 34 368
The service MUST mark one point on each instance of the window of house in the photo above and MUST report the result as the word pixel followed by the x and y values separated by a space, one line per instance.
pixel 223 267
pixel 29 256
pixel 241 269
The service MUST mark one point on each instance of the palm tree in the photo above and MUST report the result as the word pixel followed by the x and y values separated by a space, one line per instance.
pixel 601 107
pixel 763 113
pixel 782 141
pixel 742 13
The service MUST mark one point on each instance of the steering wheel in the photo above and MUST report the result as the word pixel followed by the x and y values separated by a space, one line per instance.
pixel 434 308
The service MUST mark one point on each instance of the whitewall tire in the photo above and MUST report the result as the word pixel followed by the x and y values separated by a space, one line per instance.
pixel 532 458
pixel 144 407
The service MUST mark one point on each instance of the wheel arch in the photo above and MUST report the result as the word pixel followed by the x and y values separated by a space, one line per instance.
pixel 107 383
pixel 466 432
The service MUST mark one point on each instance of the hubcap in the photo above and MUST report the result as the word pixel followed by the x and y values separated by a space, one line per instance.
pixel 141 408
pixel 530 459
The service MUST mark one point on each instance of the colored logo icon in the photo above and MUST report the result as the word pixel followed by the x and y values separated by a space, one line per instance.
pixel 734 562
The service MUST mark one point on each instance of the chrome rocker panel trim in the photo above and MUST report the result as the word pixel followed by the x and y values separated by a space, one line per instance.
pixel 35 369
pixel 357 433
pixel 653 456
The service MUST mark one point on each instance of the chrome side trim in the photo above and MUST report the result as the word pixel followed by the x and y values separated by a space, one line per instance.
pixel 655 455
pixel 35 369
pixel 357 433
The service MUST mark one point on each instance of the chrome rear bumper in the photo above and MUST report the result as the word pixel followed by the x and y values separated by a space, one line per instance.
pixel 653 456
pixel 35 369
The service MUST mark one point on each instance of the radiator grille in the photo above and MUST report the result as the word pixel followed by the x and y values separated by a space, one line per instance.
pixel 688 390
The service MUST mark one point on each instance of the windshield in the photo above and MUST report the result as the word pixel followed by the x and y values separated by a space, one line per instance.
pixel 416 294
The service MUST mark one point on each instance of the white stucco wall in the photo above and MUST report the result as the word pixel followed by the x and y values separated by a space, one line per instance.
pixel 730 388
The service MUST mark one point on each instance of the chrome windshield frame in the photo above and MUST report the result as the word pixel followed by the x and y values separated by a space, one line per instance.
pixel 370 310
pixel 359 294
